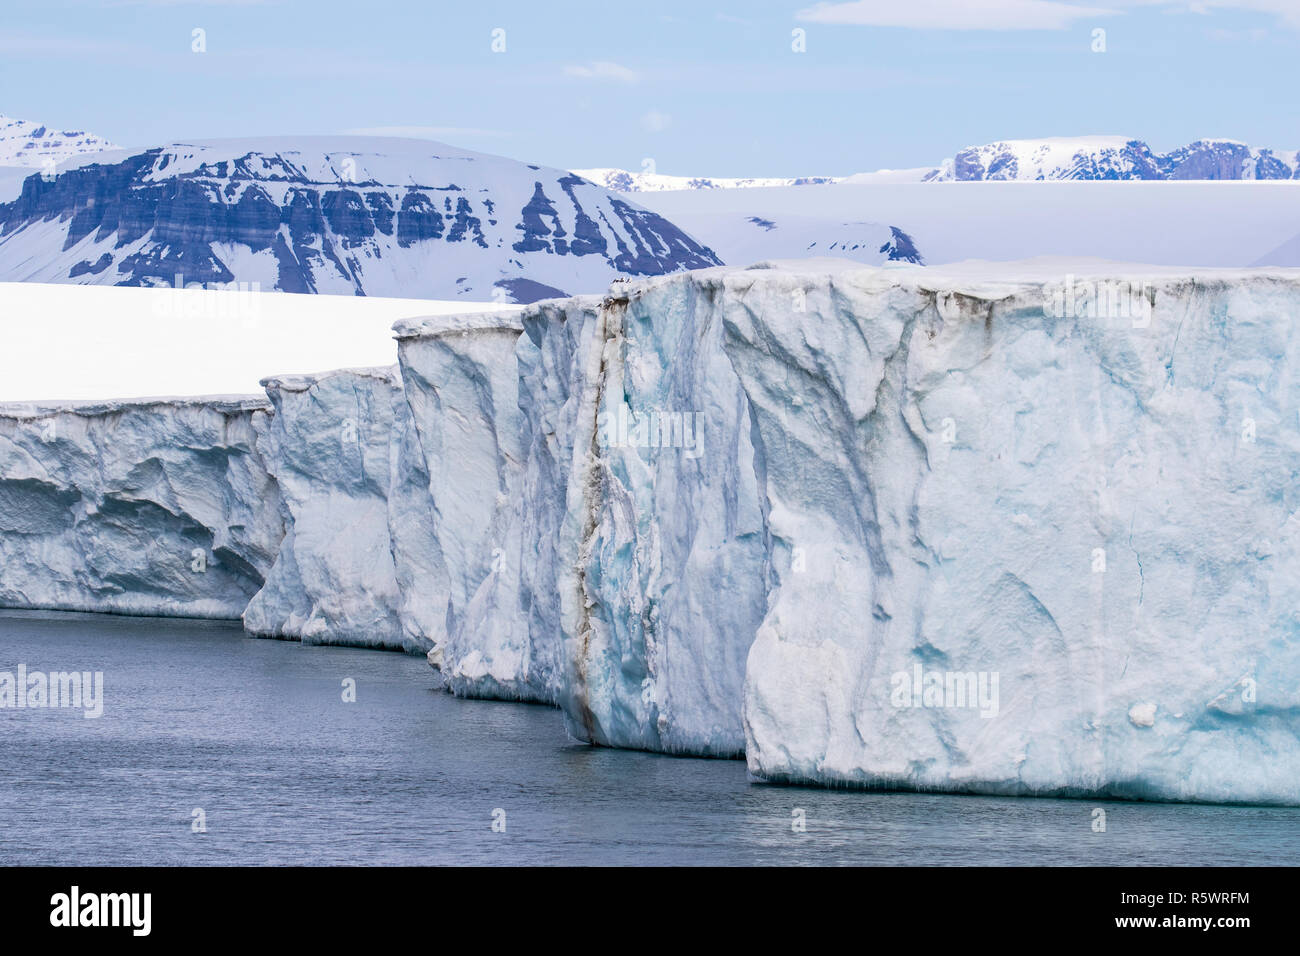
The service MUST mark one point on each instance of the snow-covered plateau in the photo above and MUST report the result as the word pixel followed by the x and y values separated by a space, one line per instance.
pixel 1185 223
pixel 1017 528
pixel 1025 160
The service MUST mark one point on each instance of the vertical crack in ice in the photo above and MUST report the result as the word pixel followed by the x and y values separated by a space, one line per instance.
pixel 609 323
pixel 1142 580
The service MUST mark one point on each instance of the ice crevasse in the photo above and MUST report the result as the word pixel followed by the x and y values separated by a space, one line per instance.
pixel 948 529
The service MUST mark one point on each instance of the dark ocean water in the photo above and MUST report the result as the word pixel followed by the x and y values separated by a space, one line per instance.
pixel 256 734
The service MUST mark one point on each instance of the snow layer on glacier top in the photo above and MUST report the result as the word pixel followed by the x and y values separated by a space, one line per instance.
pixel 428 326
pixel 301 383
pixel 976 277
pixel 227 404
pixel 1037 269
pixel 70 342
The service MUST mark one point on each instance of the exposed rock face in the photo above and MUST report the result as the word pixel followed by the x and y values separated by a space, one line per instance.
pixel 158 508
pixel 353 216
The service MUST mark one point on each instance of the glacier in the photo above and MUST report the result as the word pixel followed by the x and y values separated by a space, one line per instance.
pixel 153 507
pixel 1019 528
pixel 1098 511
pixel 462 392
pixel 355 566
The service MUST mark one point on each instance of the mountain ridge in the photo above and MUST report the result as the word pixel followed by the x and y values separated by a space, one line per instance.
pixel 350 215
pixel 34 145
pixel 1049 158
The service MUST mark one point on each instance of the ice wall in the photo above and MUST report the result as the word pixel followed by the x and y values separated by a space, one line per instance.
pixel 462 388
pixel 136 507
pixel 979 540
pixel 594 493
pixel 1087 521
pixel 358 564
pixel 946 529
pixel 659 560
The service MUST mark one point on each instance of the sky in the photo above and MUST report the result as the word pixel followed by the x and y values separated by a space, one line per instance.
pixel 693 88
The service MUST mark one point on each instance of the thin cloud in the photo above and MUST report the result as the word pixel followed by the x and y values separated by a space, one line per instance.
pixel 1287 11
pixel 953 14
pixel 655 121
pixel 602 70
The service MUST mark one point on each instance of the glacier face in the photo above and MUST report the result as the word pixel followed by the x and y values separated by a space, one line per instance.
pixel 151 507
pixel 1087 523
pixel 661 587
pixel 356 565
pixel 594 505
pixel 944 531
pixel 997 529
pixel 462 389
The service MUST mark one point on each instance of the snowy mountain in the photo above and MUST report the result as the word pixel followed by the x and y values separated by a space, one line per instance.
pixel 623 181
pixel 24 143
pixel 1112 157
pixel 349 215
pixel 1077 157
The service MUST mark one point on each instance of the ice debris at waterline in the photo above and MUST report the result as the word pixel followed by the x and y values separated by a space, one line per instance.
pixel 990 528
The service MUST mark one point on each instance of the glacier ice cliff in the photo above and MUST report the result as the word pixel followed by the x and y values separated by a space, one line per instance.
pixel 462 390
pixel 355 566
pixel 1093 516
pixel 977 541
pixel 594 493
pixel 660 563
pixel 1028 528
pixel 150 507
